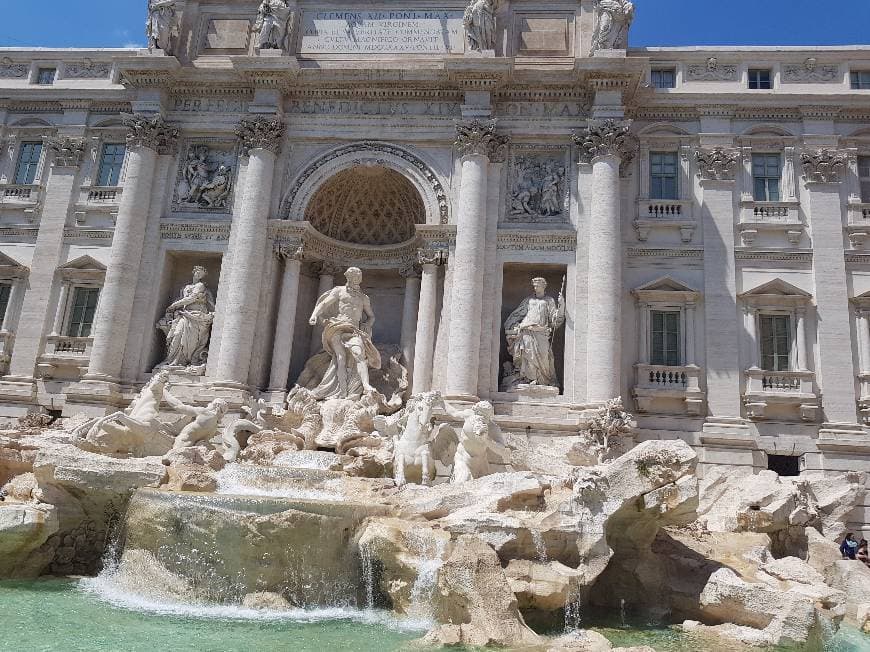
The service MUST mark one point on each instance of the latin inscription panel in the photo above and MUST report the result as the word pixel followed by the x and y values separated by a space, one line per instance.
pixel 382 32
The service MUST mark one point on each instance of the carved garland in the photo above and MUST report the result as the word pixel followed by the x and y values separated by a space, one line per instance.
pixel 478 138
pixel 718 164
pixel 823 166
pixel 372 146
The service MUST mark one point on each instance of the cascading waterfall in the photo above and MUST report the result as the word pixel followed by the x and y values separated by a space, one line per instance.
pixel 540 546
pixel 573 611
pixel 432 558
pixel 367 566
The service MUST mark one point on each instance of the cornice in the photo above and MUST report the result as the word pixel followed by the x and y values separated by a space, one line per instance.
pixel 195 231
pixel 645 252
pixel 772 255
pixel 525 240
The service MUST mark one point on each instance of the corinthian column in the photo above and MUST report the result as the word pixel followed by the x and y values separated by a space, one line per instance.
pixel 261 140
pixel 282 350
pixel 607 145
pixel 477 144
pixel 427 318
pixel 147 137
pixel 410 308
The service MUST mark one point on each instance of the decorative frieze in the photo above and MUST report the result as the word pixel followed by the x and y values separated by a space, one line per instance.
pixel 537 240
pixel 87 69
pixel 480 138
pixel 711 70
pixel 538 184
pixel 638 252
pixel 717 164
pixel 823 166
pixel 67 151
pixel 809 71
pixel 11 70
pixel 205 178
pixel 289 249
pixel 152 132
pixel 261 133
pixel 607 138
pixel 195 231
pixel 433 255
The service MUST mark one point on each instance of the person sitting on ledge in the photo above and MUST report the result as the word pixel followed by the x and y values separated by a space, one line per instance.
pixel 849 547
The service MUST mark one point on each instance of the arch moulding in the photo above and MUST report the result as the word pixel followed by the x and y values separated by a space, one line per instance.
pixel 412 167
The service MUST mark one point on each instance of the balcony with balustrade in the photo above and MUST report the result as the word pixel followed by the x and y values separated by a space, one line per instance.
pixel 662 389
pixel 16 195
pixel 655 214
pixel 781 394
pixel 858 226
pixel 65 356
pixel 777 218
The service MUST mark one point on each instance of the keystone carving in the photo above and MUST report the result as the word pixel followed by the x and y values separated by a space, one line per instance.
pixel 823 166
pixel 261 133
pixel 67 151
pixel 480 138
pixel 150 131
pixel 607 138
pixel 717 164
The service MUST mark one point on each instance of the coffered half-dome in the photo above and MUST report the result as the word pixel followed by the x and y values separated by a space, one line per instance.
pixel 368 205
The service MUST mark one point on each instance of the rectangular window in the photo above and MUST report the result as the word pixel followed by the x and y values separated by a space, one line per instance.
pixel 663 175
pixel 860 79
pixel 111 160
pixel 663 78
pixel 766 174
pixel 864 176
pixel 45 76
pixel 665 338
pixel 775 342
pixel 5 293
pixel 81 318
pixel 760 79
pixel 28 163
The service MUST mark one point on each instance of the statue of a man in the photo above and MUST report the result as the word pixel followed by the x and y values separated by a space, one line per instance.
pixel 529 331
pixel 479 21
pixel 187 324
pixel 272 24
pixel 347 318
pixel 612 20
pixel 161 25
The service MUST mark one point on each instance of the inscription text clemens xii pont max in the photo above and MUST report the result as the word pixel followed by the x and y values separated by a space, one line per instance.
pixel 382 32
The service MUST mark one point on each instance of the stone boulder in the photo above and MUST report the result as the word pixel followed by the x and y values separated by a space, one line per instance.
pixel 853 579
pixel 863 618
pixel 581 640
pixel 24 529
pixel 266 600
pixel 542 586
pixel 193 469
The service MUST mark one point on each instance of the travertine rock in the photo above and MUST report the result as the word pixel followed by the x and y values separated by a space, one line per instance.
pixel 853 578
pixel 583 640
pixel 544 586
pixel 266 600
pixel 24 528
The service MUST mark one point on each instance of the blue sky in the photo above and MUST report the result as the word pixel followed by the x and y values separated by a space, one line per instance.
pixel 116 23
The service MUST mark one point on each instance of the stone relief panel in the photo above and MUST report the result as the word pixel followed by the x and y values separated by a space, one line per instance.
pixel 809 71
pixel 538 179
pixel 712 70
pixel 206 176
pixel 11 70
pixel 87 69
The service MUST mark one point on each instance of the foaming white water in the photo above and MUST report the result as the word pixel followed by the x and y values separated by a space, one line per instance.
pixel 105 589
pixel 239 480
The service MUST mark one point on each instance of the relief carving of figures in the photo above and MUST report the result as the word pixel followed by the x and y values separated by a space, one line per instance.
pixel 539 188
pixel 345 312
pixel 613 19
pixel 273 25
pixel 187 325
pixel 530 330
pixel 823 166
pixel 206 179
pixel 712 70
pixel 810 71
pixel 718 164
pixel 479 22
pixel 162 24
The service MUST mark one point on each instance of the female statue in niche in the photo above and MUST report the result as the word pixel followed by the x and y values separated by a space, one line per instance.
pixel 187 325
pixel 530 329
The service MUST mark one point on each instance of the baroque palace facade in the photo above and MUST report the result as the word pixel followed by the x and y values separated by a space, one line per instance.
pixel 704 210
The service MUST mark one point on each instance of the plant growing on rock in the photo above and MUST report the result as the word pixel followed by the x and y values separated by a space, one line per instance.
pixel 609 422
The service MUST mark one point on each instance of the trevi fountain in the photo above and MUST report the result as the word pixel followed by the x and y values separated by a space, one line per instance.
pixel 436 433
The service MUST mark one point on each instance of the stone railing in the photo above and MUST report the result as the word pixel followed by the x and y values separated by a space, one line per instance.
pixel 18 193
pixel 103 194
pixel 779 382
pixel 859 213
pixel 864 401
pixel 668 389
pixel 755 212
pixel 666 377
pixel 668 209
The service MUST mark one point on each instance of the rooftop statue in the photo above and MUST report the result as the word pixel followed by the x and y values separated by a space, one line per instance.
pixel 273 25
pixel 612 21
pixel 162 24
pixel 479 21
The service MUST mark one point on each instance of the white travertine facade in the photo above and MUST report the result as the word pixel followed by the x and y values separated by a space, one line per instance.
pixel 708 209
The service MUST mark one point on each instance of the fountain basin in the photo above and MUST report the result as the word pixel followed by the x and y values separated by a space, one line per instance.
pixel 218 548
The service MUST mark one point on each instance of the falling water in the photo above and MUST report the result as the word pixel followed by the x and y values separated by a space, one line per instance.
pixel 368 573
pixel 573 615
pixel 622 612
pixel 540 546
pixel 431 554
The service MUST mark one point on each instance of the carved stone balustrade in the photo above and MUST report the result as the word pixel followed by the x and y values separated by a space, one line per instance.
pixel 19 194
pixel 858 227
pixel 864 401
pixel 781 218
pixel 654 214
pixel 781 395
pixel 666 389
pixel 64 352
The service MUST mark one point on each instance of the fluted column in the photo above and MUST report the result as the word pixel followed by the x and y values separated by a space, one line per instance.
pixel 282 350
pixel 325 282
pixel 410 308
pixel 430 260
pixel 607 145
pixel 147 136
pixel 477 145
pixel 261 140
pixel 61 308
pixel 801 338
pixel 864 339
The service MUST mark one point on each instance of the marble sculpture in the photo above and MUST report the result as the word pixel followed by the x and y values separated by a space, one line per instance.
pixel 187 325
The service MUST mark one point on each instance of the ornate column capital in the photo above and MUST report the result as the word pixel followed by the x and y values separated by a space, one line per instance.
pixel 411 270
pixel 261 132
pixel 432 255
pixel 606 138
pixel 150 131
pixel 324 268
pixel 67 151
pixel 290 250
pixel 823 165
pixel 717 164
pixel 479 138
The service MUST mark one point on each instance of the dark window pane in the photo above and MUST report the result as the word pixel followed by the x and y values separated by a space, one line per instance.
pixel 663 175
pixel 664 78
pixel 760 79
pixel 45 76
pixel 82 315
pixel 775 342
pixel 665 337
pixel 5 292
pixel 111 161
pixel 860 80
pixel 28 163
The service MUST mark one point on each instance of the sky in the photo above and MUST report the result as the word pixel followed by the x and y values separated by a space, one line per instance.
pixel 120 23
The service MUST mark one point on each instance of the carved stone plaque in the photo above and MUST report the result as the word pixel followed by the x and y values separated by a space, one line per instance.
pixel 382 32
pixel 538 180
